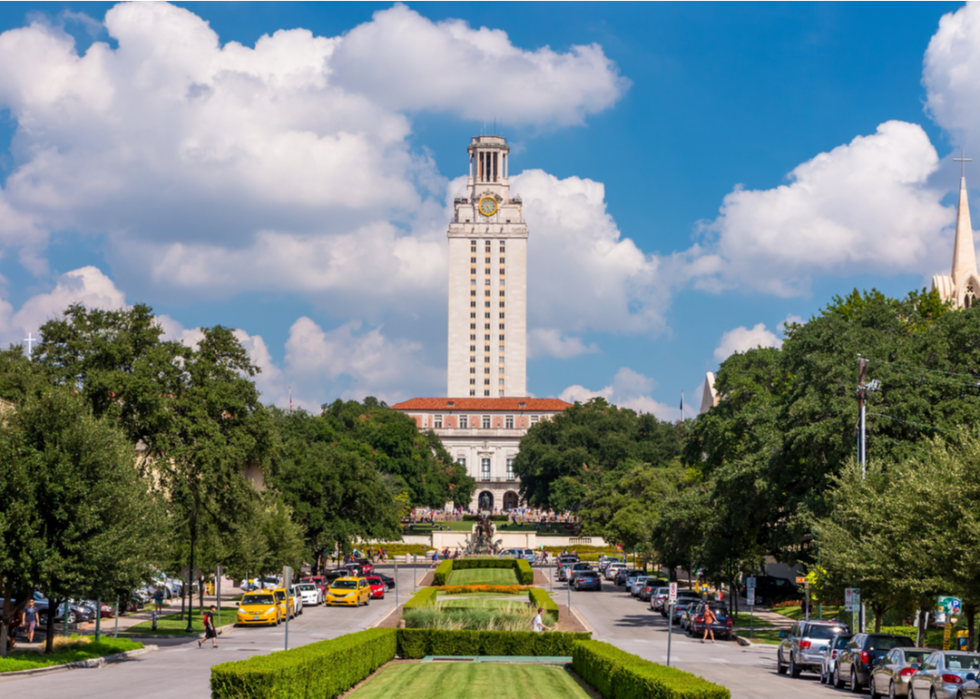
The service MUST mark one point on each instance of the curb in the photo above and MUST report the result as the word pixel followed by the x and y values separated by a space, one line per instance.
pixel 742 641
pixel 91 662
pixel 583 622
pixel 380 620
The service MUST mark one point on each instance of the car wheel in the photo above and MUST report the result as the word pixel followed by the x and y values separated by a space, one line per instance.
pixel 872 688
pixel 386 588
pixel 823 676
pixel 71 617
pixel 855 685
pixel 794 670
pixel 891 690
pixel 932 694
pixel 780 668
pixel 911 694
pixel 838 682
pixel 367 601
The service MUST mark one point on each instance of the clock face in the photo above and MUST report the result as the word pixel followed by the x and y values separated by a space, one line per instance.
pixel 488 206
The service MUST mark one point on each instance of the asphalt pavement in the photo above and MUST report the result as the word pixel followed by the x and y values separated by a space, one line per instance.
pixel 181 670
pixel 628 623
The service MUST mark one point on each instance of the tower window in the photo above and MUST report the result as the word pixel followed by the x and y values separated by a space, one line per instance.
pixel 472 338
pixel 472 369
pixel 501 316
pixel 463 424
pixel 501 292
pixel 501 326
pixel 487 280
pixel 486 315
pixel 486 393
pixel 472 382
pixel 472 348
pixel 472 392
pixel 486 422
pixel 473 304
pixel 501 339
pixel 472 292
pixel 472 314
pixel 486 326
pixel 488 290
pixel 486 382
pixel 488 304
pixel 472 358
pixel 500 370
pixel 472 260
pixel 473 326
pixel 501 304
pixel 501 260
pixel 486 370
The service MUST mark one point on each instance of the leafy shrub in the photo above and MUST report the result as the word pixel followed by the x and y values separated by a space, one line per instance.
pixel 418 643
pixel 426 597
pixel 402 549
pixel 616 674
pixel 324 669
pixel 786 603
pixel 540 598
pixel 606 550
pixel 524 571
pixel 471 619
pixel 492 589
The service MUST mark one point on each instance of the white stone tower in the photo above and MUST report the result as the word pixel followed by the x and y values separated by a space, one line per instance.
pixel 963 285
pixel 488 280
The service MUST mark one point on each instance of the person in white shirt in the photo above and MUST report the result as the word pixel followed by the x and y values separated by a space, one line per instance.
pixel 538 624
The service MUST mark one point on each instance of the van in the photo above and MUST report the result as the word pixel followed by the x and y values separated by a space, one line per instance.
pixel 526 554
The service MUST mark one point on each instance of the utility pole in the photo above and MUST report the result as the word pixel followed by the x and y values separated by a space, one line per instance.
pixel 864 388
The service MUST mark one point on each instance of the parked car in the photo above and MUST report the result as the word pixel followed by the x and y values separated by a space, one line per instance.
pixel 943 674
pixel 349 591
pixel 625 573
pixel 366 566
pixel 260 607
pixel 890 676
pixel 855 662
pixel 721 626
pixel 636 584
pixel 389 582
pixel 684 598
pixel 658 598
pixel 588 580
pixel 645 588
pixel 319 581
pixel 377 586
pixel 769 588
pixel 684 612
pixel 296 597
pixel 805 645
pixel 604 562
pixel 311 593
pixel 836 645
pixel 612 570
pixel 576 569
pixel 564 563
pixel 526 554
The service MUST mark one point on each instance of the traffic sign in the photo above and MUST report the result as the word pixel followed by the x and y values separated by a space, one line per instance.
pixel 672 593
pixel 800 580
pixel 951 605
pixel 750 596
pixel 852 599
pixel 750 582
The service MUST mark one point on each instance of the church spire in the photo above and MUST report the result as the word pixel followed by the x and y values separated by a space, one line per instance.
pixel 964 254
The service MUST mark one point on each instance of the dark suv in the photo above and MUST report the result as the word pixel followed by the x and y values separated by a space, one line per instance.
pixel 621 576
pixel 769 589
pixel 857 659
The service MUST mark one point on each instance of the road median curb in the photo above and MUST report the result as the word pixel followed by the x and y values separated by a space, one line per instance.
pixel 78 664
pixel 743 641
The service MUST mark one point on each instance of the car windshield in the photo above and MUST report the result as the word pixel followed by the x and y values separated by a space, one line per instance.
pixel 344 585
pixel 962 661
pixel 720 612
pixel 842 641
pixel 888 642
pixel 306 587
pixel 823 632
pixel 916 656
pixel 257 599
pixel 688 595
pixel 374 581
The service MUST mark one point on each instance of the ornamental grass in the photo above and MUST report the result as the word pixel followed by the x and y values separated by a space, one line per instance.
pixel 492 589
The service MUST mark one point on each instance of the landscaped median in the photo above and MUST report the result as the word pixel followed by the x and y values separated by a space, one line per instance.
pixel 329 668
pixel 480 596
pixel 67 650
pixel 483 570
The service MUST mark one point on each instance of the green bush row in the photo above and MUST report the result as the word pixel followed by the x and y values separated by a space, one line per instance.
pixel 426 597
pixel 324 669
pixel 418 643
pixel 540 598
pixel 524 571
pixel 616 674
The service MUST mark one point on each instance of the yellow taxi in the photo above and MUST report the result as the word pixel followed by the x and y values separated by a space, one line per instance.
pixel 260 607
pixel 281 596
pixel 350 591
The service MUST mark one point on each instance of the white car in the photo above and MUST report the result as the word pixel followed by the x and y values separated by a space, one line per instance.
pixel 310 593
pixel 614 568
pixel 297 594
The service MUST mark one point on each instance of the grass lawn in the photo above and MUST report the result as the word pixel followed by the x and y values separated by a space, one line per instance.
pixel 796 613
pixel 453 680
pixel 743 620
pixel 68 652
pixel 484 576
pixel 170 624
pixel 767 636
pixel 482 604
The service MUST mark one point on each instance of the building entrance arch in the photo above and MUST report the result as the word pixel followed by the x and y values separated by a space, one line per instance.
pixel 486 501
pixel 510 500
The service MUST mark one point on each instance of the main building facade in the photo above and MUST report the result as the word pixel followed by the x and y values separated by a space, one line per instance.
pixel 488 411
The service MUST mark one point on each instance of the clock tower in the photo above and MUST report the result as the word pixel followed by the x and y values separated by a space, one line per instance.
pixel 487 280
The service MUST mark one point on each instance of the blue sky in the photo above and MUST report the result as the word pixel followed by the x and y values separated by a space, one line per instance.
pixel 701 173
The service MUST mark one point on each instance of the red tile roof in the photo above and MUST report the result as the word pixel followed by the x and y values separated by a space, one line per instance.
pixel 484 404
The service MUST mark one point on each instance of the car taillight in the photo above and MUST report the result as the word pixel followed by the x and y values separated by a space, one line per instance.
pixel 804 645
pixel 952 679
pixel 728 622
pixel 865 658
pixel 698 619
pixel 833 655
pixel 907 671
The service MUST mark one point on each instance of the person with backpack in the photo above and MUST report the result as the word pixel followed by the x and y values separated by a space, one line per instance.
pixel 709 619
pixel 209 630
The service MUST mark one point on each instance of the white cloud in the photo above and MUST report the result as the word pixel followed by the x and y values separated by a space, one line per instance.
pixel 951 75
pixel 629 389
pixel 549 342
pixel 406 62
pixel 789 320
pixel 863 208
pixel 741 339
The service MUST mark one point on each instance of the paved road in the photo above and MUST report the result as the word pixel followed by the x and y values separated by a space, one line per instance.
pixel 749 672
pixel 181 670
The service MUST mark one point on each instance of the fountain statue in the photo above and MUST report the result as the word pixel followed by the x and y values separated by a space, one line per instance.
pixel 483 531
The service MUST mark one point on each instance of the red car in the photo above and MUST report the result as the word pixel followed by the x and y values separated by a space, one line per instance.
pixel 377 586
pixel 366 565
pixel 318 580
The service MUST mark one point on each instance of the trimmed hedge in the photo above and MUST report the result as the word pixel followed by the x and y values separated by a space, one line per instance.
pixel 616 674
pixel 540 598
pixel 524 571
pixel 426 597
pixel 324 669
pixel 418 643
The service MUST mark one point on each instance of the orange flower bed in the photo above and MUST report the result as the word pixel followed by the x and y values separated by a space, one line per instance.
pixel 492 589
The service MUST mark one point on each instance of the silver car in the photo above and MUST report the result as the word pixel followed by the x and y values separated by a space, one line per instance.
pixel 891 673
pixel 638 582
pixel 612 569
pixel 659 598
pixel 943 674
pixel 837 644
pixel 805 646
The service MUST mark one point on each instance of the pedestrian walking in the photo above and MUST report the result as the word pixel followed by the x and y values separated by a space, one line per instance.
pixel 209 630
pixel 30 620
pixel 158 599
pixel 538 624
pixel 709 619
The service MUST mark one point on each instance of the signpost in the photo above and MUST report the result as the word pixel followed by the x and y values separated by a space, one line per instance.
pixel 800 580
pixel 750 600
pixel 287 577
pixel 218 572
pixel 951 607
pixel 852 603
pixel 671 600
